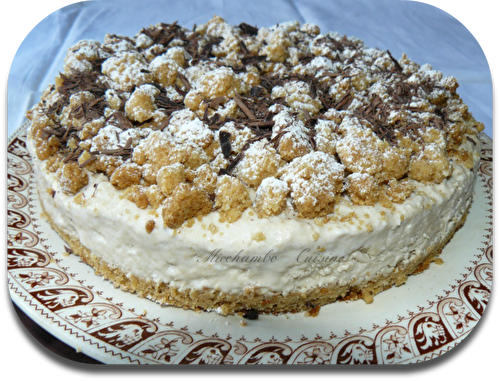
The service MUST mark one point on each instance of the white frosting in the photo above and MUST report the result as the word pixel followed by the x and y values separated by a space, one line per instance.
pixel 296 254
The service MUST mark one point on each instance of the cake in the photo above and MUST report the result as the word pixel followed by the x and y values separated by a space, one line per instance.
pixel 249 170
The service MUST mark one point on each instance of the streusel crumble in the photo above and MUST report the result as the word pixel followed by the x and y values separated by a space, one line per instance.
pixel 276 128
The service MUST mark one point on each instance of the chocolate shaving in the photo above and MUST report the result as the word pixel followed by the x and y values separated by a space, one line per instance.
pixel 90 160
pixel 125 150
pixel 306 59
pixel 344 102
pixel 121 38
pixel 261 123
pixel 206 50
pixel 402 93
pixel 168 105
pixel 241 104
pixel 396 63
pixel 276 139
pixel 48 131
pixel 89 111
pixel 225 143
pixel 234 162
pixel 376 113
pixel 333 44
pixel 163 34
pixel 256 91
pixel 63 134
pixel 243 48
pixel 77 82
pixel 216 102
pixel 228 170
pixel 252 59
pixel 73 155
pixel 215 122
pixel 386 133
pixel 119 120
pixel 184 81
pixel 248 29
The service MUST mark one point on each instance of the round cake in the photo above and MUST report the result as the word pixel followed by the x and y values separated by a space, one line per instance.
pixel 244 170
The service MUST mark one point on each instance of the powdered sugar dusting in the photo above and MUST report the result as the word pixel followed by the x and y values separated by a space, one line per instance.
pixel 285 115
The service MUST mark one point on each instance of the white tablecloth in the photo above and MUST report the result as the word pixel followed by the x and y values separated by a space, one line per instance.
pixel 425 33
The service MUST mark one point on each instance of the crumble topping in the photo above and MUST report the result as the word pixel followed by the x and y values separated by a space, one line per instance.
pixel 225 118
pixel 315 180
pixel 271 197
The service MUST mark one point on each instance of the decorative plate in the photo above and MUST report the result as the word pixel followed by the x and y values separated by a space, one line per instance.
pixel 418 321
